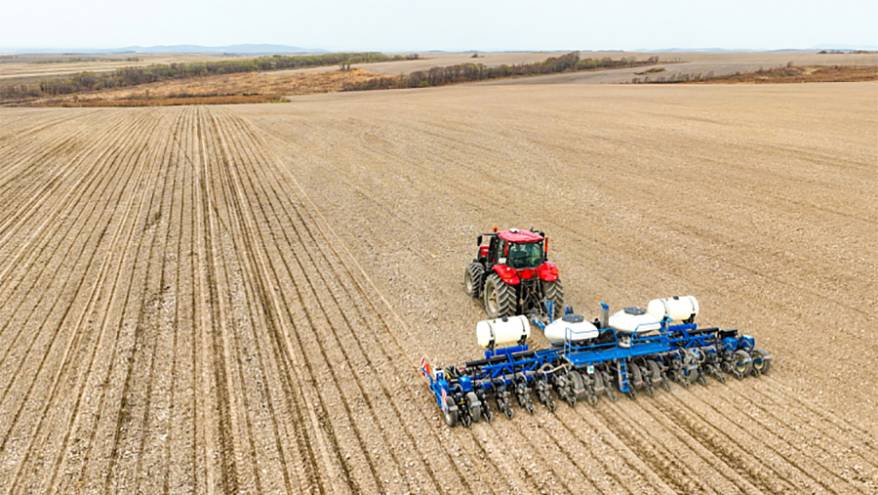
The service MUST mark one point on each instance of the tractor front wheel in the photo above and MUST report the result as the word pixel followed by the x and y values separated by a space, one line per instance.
pixel 499 297
pixel 472 279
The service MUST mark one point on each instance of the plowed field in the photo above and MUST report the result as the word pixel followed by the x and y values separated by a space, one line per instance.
pixel 235 299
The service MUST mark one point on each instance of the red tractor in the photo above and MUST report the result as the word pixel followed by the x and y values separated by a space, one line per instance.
pixel 512 273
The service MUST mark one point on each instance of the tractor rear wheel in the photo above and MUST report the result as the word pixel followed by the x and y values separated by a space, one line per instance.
pixel 472 279
pixel 554 291
pixel 499 297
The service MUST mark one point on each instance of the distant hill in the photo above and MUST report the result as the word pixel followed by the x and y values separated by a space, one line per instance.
pixel 847 47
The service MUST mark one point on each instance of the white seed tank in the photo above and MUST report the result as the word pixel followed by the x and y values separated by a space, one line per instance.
pixel 634 320
pixel 677 308
pixel 502 331
pixel 572 327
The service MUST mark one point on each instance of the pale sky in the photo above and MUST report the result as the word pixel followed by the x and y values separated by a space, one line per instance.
pixel 441 24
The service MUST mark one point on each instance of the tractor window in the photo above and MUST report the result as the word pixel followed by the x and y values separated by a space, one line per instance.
pixel 494 252
pixel 525 255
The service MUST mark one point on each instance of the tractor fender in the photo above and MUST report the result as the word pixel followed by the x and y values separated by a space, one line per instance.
pixel 548 272
pixel 507 274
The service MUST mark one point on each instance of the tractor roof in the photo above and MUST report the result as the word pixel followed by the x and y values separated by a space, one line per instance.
pixel 521 236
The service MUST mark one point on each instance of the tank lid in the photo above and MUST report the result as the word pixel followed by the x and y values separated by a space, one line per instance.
pixel 634 310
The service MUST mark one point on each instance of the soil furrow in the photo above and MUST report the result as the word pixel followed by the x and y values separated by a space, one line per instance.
pixel 67 355
pixel 89 316
pixel 103 449
pixel 136 395
pixel 387 399
pixel 56 309
pixel 48 172
pixel 18 271
pixel 807 463
pixel 802 434
pixel 317 319
pixel 157 429
pixel 85 426
pixel 317 242
pixel 217 428
pixel 247 225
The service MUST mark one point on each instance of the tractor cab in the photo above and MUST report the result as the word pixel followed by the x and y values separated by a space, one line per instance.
pixel 518 249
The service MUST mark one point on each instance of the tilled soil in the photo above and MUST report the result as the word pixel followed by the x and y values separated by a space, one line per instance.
pixel 235 299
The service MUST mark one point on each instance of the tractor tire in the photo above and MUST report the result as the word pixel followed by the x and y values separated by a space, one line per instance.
pixel 472 279
pixel 554 291
pixel 499 297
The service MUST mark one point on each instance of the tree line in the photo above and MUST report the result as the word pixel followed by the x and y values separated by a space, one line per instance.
pixel 133 76
pixel 440 76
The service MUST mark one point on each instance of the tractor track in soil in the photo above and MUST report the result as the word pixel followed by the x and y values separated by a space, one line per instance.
pixel 235 299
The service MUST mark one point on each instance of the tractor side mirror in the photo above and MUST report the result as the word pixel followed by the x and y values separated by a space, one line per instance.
pixel 479 240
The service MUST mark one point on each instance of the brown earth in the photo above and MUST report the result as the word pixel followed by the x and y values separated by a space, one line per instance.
pixel 235 299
